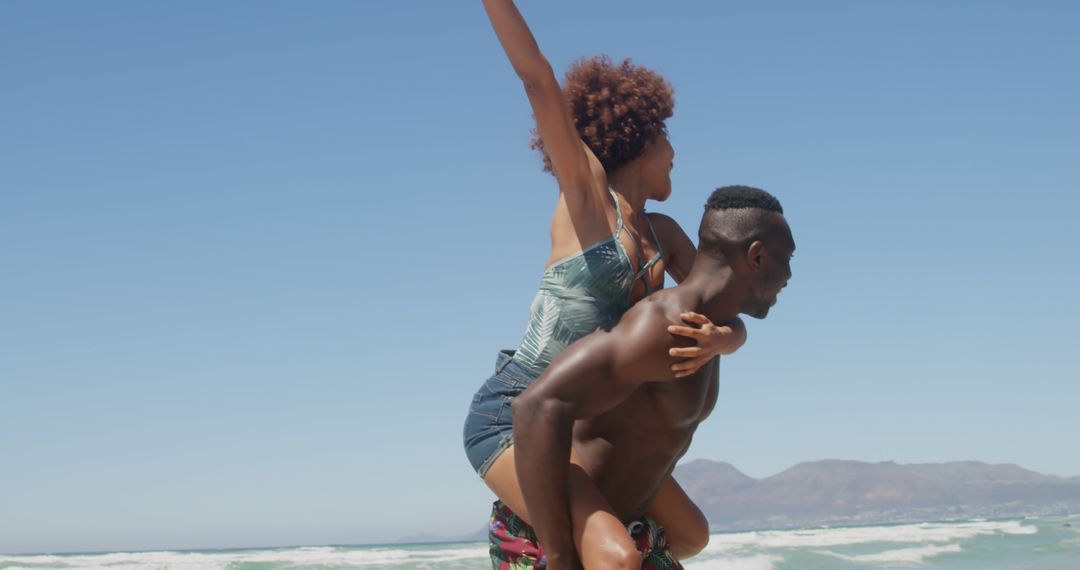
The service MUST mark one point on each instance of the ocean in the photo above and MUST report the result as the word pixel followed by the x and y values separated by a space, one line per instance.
pixel 1051 543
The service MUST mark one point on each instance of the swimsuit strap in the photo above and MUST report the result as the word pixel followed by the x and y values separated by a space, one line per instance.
pixel 644 265
pixel 660 248
pixel 618 212
pixel 659 255
pixel 619 228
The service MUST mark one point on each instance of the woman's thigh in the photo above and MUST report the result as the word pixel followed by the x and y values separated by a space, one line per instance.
pixel 599 535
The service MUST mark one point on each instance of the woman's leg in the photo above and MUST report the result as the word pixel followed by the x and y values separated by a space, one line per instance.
pixel 601 539
pixel 685 526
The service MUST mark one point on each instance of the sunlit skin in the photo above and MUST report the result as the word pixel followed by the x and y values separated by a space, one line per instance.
pixel 585 214
pixel 611 403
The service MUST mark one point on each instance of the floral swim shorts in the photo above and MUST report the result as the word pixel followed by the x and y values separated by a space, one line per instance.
pixel 513 543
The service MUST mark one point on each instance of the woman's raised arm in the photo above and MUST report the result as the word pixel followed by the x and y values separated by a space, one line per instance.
pixel 561 141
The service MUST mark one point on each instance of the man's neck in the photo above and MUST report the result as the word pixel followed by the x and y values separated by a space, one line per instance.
pixel 714 288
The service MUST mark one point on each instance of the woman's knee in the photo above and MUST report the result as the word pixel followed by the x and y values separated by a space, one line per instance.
pixel 620 555
pixel 690 542
pixel 694 543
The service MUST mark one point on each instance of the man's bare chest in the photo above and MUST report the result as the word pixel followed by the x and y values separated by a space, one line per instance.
pixel 656 408
pixel 677 404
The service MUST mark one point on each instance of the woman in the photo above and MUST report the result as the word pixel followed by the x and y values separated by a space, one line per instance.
pixel 605 141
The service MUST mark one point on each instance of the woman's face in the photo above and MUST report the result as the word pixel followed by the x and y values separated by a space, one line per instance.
pixel 657 162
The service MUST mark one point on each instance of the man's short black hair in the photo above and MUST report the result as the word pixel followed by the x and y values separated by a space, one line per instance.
pixel 735 217
pixel 743 197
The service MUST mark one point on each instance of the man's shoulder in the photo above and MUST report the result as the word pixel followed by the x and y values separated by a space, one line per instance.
pixel 650 315
pixel 640 342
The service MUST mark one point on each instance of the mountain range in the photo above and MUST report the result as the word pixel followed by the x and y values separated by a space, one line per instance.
pixel 835 492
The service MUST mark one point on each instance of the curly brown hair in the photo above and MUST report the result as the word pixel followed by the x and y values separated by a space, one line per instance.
pixel 617 109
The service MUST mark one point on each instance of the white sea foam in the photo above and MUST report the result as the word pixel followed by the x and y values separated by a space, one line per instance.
pixel 756 562
pixel 761 550
pixel 902 555
pixel 826 537
pixel 306 556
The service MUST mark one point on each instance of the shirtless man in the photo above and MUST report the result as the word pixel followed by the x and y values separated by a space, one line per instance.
pixel 612 399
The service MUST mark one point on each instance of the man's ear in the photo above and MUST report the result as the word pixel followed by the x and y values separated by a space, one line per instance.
pixel 755 256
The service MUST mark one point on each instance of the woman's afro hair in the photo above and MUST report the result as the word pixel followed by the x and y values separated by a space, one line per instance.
pixel 617 109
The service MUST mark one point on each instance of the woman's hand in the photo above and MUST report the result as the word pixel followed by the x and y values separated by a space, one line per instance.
pixel 712 341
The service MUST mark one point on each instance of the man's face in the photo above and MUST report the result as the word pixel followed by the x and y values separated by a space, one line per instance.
pixel 773 276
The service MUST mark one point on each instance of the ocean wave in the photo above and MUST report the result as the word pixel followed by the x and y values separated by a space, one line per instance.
pixel 757 562
pixel 903 555
pixel 827 537
pixel 758 550
pixel 305 556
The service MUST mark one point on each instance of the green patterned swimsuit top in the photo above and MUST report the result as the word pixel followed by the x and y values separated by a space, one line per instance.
pixel 579 294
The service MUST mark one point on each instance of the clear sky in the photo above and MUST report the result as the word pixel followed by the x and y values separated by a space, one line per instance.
pixel 257 255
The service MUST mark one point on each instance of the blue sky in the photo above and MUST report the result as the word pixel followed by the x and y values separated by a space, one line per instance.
pixel 258 255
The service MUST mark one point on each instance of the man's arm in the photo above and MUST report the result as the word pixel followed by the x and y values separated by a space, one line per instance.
pixel 591 377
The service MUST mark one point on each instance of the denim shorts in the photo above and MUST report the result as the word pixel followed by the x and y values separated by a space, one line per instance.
pixel 489 428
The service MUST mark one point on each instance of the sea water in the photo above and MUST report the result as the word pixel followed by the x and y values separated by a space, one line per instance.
pixel 1051 543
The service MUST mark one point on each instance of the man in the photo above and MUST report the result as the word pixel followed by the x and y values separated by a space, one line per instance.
pixel 613 398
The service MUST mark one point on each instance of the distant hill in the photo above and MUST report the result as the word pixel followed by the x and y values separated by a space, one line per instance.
pixel 835 492
pixel 832 492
